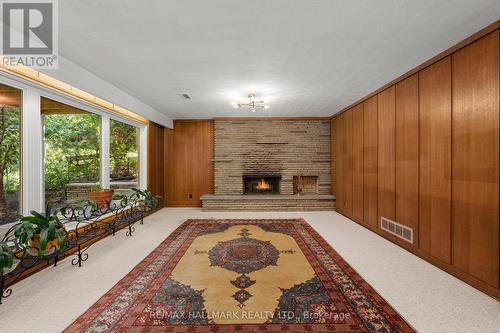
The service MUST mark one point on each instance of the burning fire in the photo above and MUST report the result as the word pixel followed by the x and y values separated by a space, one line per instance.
pixel 263 185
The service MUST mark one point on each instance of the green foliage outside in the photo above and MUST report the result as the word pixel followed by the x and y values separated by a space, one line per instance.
pixel 72 154
pixel 123 150
pixel 71 149
pixel 9 148
pixel 9 162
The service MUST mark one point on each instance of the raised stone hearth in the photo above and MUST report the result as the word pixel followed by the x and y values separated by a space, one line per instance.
pixel 307 202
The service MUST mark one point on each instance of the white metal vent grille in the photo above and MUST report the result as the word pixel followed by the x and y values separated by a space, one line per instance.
pixel 396 229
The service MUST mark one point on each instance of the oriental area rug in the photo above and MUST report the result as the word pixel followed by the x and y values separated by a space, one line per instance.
pixel 242 276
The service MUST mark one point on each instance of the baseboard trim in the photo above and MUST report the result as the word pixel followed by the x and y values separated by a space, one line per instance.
pixel 450 269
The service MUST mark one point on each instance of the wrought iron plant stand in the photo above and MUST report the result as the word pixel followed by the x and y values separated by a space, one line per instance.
pixel 85 223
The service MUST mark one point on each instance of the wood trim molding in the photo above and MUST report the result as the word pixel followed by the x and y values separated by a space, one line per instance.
pixel 272 118
pixel 191 120
pixel 472 38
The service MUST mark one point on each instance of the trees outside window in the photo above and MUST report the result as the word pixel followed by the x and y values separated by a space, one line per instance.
pixel 124 155
pixel 72 152
pixel 72 146
pixel 10 150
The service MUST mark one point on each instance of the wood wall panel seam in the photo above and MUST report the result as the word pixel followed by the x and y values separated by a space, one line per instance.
pixel 370 161
pixel 357 165
pixel 406 154
pixel 349 165
pixel 386 154
pixel 435 164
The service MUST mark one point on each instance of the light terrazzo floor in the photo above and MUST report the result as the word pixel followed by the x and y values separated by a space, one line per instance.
pixel 428 298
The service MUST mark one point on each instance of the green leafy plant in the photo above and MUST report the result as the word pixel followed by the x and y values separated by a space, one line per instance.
pixel 6 256
pixel 149 199
pixel 97 188
pixel 46 225
pixel 123 198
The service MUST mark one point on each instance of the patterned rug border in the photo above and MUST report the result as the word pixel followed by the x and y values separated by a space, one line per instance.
pixel 374 297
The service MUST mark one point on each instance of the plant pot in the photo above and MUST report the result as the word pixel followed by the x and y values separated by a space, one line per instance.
pixel 116 204
pixel 102 198
pixel 142 205
pixel 50 248
pixel 15 262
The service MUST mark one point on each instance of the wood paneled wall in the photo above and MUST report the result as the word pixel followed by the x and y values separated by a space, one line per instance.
pixel 357 161
pixel 475 147
pixel 387 153
pixel 344 166
pixel 370 161
pixel 429 151
pixel 189 153
pixel 435 160
pixel 406 183
pixel 156 160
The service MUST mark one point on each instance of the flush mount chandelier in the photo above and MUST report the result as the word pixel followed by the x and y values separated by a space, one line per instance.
pixel 252 104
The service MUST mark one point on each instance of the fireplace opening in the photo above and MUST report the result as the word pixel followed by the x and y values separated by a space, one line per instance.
pixel 261 184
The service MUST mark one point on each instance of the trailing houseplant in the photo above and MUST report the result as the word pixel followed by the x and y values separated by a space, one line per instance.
pixel 147 197
pixel 101 196
pixel 6 256
pixel 41 231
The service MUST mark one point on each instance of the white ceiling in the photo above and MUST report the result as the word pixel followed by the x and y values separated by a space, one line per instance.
pixel 306 57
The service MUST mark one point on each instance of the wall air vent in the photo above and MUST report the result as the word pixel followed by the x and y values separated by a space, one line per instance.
pixel 184 96
pixel 396 229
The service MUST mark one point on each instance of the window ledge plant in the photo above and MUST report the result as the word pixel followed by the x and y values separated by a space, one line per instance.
pixel 6 257
pixel 41 232
pixel 101 196
pixel 145 197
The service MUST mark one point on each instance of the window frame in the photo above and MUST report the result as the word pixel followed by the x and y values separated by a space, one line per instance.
pixel 32 187
pixel 22 135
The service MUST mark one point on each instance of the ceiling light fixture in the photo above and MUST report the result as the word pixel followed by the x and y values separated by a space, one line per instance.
pixel 184 95
pixel 252 104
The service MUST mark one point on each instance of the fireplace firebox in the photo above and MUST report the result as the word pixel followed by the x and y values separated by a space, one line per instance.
pixel 261 184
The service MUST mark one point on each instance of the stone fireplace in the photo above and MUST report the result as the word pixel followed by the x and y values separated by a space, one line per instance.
pixel 271 164
pixel 261 184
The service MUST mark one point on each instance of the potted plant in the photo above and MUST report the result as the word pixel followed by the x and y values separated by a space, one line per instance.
pixel 118 201
pixel 145 197
pixel 6 258
pixel 101 196
pixel 43 232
